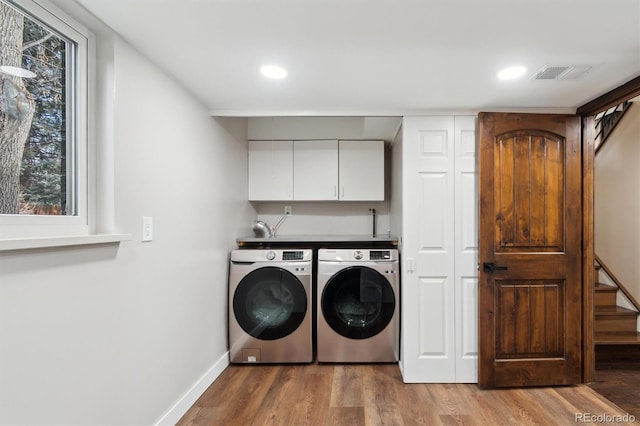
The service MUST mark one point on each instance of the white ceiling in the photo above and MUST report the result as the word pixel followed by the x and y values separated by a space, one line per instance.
pixel 381 57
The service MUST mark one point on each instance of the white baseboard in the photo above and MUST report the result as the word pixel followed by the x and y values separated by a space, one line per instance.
pixel 185 402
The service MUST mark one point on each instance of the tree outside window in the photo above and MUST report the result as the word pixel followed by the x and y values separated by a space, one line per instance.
pixel 36 76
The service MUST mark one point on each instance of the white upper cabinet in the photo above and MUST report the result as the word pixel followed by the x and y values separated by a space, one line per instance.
pixel 315 170
pixel 361 170
pixel 270 170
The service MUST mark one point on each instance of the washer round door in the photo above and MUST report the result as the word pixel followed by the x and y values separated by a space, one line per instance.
pixel 269 303
pixel 358 302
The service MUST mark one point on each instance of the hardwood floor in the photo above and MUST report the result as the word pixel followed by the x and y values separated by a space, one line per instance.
pixel 374 394
pixel 620 383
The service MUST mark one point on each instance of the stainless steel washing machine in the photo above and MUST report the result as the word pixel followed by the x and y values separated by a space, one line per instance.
pixel 358 305
pixel 270 301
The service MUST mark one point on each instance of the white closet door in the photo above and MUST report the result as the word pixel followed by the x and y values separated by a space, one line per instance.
pixel 428 280
pixel 439 247
pixel 466 250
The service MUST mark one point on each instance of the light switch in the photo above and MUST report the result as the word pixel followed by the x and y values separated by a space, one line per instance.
pixel 147 228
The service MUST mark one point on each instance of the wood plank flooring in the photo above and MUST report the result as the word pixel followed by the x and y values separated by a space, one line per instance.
pixel 374 394
pixel 620 383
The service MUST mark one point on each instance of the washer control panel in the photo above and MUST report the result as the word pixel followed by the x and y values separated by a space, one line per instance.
pixel 271 255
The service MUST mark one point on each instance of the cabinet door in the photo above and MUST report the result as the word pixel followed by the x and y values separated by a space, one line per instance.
pixel 361 168
pixel 315 170
pixel 270 170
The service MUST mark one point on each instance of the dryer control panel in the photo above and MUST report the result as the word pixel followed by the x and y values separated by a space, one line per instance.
pixel 380 255
pixel 359 255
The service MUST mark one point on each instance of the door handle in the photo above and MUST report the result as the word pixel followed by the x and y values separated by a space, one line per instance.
pixel 491 267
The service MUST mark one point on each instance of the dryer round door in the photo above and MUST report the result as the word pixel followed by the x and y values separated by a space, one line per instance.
pixel 358 302
pixel 269 303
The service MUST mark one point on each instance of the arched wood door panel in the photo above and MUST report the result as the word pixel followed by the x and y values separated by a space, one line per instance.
pixel 530 250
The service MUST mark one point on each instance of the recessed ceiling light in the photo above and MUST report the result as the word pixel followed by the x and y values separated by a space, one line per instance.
pixel 273 71
pixel 17 71
pixel 512 73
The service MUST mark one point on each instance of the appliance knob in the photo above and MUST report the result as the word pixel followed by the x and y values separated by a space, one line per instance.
pixel 357 255
pixel 271 255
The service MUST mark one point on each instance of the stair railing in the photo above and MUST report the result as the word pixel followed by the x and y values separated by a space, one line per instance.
pixel 617 282
pixel 607 121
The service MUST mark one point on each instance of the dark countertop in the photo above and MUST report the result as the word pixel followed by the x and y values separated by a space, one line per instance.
pixel 320 240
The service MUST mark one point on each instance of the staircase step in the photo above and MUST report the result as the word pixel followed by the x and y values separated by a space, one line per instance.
pixel 615 318
pixel 617 338
pixel 617 349
pixel 606 288
pixel 605 295
pixel 614 311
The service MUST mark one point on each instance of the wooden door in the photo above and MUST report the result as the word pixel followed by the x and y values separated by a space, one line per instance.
pixel 530 250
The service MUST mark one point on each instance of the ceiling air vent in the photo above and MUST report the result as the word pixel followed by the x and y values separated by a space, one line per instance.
pixel 569 72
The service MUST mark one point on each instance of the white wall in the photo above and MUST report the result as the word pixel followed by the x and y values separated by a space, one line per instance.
pixel 117 334
pixel 375 128
pixel 326 217
pixel 617 201
pixel 395 202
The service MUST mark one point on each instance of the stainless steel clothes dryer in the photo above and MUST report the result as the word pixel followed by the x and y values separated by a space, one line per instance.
pixel 358 305
pixel 270 301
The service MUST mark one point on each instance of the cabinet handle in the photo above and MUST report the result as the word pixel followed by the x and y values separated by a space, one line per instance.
pixel 342 196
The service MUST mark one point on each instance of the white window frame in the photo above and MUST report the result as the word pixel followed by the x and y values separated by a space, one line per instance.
pixel 78 141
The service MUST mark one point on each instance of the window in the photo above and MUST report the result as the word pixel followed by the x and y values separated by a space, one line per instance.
pixel 43 122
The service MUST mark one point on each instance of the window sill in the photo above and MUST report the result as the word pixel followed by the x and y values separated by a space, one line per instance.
pixel 65 241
